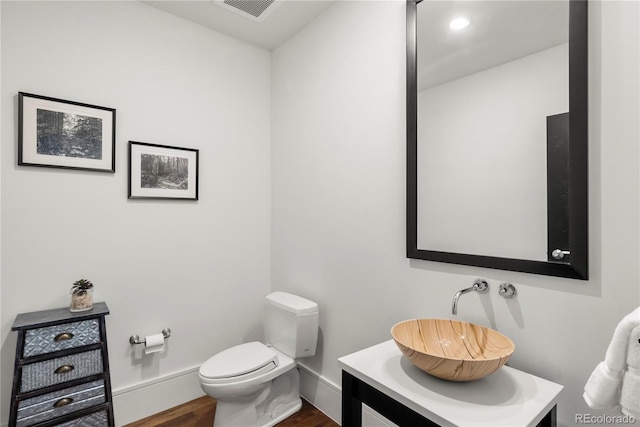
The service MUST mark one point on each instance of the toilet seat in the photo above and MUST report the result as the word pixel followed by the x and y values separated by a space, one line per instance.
pixel 239 363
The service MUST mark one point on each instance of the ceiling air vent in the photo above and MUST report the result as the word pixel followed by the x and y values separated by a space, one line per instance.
pixel 256 10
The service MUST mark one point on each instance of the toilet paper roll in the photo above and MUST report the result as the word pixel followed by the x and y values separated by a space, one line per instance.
pixel 153 344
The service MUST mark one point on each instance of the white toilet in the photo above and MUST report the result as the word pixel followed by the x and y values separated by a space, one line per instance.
pixel 258 384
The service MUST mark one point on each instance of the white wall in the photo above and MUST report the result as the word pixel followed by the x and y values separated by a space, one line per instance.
pixel 200 268
pixel 482 157
pixel 338 201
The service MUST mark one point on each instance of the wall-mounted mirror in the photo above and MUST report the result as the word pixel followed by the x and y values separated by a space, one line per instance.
pixel 497 134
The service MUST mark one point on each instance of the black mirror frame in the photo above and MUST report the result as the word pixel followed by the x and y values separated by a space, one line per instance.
pixel 578 265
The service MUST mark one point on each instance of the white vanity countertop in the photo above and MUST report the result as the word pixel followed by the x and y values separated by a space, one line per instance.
pixel 507 398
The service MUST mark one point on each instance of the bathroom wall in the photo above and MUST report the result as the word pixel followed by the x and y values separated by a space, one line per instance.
pixel 200 267
pixel 338 171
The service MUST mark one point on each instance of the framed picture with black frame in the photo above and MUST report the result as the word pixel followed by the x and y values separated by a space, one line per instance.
pixel 65 134
pixel 162 172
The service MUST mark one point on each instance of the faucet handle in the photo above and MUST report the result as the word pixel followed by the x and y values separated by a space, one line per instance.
pixel 507 290
pixel 481 285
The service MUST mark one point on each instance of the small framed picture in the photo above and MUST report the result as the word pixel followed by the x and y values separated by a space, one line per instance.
pixel 162 172
pixel 65 134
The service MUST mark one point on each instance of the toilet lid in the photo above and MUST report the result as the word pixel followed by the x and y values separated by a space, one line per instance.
pixel 239 360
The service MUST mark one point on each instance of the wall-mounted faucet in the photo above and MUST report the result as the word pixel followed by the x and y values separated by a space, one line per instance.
pixel 479 285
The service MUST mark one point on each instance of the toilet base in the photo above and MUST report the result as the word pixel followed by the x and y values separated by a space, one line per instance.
pixel 284 412
pixel 279 399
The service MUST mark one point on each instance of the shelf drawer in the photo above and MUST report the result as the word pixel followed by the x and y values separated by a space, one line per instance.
pixel 48 406
pixel 61 369
pixel 97 419
pixel 61 337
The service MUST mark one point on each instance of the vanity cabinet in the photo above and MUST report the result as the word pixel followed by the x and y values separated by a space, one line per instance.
pixel 61 375
pixel 383 379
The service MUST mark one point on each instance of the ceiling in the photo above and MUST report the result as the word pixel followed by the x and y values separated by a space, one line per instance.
pixel 285 18
pixel 500 30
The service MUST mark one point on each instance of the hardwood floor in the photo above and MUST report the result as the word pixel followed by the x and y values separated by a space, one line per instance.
pixel 200 412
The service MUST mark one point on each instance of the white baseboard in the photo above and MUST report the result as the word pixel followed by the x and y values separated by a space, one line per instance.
pixel 321 393
pixel 327 397
pixel 132 403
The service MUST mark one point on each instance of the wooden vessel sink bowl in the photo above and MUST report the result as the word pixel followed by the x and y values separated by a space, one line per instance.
pixel 452 349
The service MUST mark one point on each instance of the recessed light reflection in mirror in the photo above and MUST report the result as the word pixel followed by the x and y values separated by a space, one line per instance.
pixel 459 23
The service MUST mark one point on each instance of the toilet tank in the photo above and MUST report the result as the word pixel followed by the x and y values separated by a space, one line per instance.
pixel 291 324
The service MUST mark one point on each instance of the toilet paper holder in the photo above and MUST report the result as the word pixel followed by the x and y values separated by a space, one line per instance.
pixel 135 339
